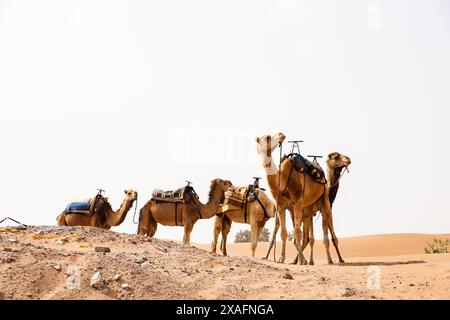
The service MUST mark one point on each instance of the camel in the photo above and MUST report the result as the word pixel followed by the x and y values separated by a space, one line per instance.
pixel 296 191
pixel 257 215
pixel 181 214
pixel 336 162
pixel 104 216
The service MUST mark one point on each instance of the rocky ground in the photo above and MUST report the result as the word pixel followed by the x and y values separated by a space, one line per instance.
pixel 89 263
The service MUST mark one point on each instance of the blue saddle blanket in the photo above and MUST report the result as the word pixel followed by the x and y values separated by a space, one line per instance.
pixel 79 205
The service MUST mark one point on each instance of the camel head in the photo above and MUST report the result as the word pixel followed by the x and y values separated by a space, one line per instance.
pixel 131 195
pixel 266 144
pixel 223 185
pixel 338 161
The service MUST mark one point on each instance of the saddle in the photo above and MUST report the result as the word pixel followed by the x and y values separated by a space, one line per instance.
pixel 237 197
pixel 181 195
pixel 302 164
pixel 83 207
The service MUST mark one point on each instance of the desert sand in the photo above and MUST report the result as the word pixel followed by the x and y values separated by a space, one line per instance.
pixel 62 263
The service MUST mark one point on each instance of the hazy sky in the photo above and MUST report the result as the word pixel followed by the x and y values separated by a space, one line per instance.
pixel 146 94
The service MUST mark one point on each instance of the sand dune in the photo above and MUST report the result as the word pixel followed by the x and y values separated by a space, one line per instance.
pixel 353 247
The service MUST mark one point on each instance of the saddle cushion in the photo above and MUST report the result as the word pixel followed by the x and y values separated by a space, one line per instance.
pixel 236 196
pixel 181 195
pixel 84 205
pixel 302 164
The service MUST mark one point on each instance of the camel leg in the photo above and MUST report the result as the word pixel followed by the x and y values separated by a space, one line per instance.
pixel 217 230
pixel 274 236
pixel 298 217
pixel 334 239
pixel 153 226
pixel 283 235
pixel 145 221
pixel 225 231
pixel 187 233
pixel 311 241
pixel 254 232
pixel 326 240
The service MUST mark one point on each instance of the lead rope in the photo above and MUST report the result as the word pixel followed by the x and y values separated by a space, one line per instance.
pixel 135 210
pixel 337 181
pixel 278 206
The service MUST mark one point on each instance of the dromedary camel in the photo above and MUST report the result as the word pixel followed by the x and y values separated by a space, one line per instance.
pixel 182 214
pixel 258 212
pixel 295 191
pixel 336 162
pixel 104 217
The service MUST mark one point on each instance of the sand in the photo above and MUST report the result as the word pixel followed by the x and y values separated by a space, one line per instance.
pixel 47 262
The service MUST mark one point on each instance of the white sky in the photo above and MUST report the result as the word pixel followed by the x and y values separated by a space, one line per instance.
pixel 146 94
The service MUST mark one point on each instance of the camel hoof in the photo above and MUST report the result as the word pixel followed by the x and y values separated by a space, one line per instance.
pixel 311 263
pixel 341 261
pixel 330 262
pixel 281 260
pixel 304 263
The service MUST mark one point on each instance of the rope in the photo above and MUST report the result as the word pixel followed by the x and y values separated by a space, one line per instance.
pixel 337 181
pixel 20 223
pixel 135 210
pixel 278 205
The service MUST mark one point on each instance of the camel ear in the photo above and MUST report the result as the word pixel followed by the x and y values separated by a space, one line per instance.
pixel 257 139
pixel 125 191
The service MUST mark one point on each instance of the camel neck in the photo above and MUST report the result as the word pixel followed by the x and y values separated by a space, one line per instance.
pixel 211 208
pixel 116 218
pixel 333 182
pixel 271 173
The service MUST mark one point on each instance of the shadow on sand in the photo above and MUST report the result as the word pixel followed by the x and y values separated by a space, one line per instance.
pixel 380 263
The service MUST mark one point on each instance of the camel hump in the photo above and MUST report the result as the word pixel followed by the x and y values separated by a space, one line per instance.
pixel 302 164
pixel 180 195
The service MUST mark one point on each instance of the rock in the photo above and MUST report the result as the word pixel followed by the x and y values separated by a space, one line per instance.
pixel 288 276
pixel 29 295
pixel 125 286
pixel 347 292
pixel 102 249
pixel 12 240
pixel 61 241
pixel 9 260
pixel 7 249
pixel 140 260
pixel 57 267
pixel 412 285
pixel 117 277
pixel 2 296
pixel 96 279
pixel 210 271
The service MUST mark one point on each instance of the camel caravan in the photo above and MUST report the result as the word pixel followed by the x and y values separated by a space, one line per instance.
pixel 296 184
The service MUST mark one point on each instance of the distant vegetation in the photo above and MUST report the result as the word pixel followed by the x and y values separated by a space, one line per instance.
pixel 246 236
pixel 438 246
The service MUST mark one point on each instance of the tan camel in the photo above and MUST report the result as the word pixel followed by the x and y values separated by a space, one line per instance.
pixel 182 214
pixel 103 217
pixel 258 212
pixel 336 162
pixel 295 191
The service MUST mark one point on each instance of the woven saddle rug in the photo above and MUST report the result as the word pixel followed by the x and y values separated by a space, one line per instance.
pixel 235 198
pixel 302 164
pixel 85 207
pixel 181 195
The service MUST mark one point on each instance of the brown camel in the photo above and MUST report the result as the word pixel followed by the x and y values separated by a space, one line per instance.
pixel 295 191
pixel 258 212
pixel 182 214
pixel 336 162
pixel 103 216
